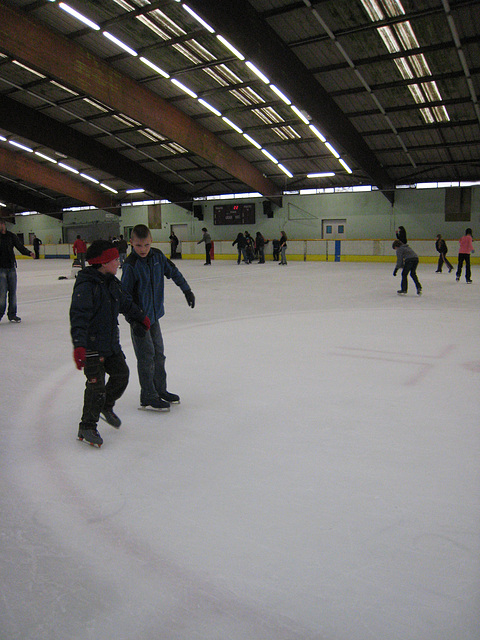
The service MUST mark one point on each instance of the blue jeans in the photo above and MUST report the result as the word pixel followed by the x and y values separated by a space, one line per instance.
pixel 150 363
pixel 8 284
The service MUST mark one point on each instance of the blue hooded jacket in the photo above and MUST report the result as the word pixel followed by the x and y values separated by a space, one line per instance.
pixel 144 280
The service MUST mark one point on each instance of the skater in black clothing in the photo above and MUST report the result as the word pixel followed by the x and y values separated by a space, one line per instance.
pixel 260 243
pixel 36 246
pixel 207 239
pixel 241 243
pixel 407 260
pixel 441 247
pixel 174 242
pixel 98 298
pixel 401 235
pixel 276 249
pixel 283 248
pixel 8 271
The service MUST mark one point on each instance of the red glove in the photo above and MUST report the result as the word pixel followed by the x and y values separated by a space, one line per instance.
pixel 80 357
pixel 146 322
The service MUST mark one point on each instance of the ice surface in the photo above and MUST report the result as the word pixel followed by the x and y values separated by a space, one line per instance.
pixel 319 481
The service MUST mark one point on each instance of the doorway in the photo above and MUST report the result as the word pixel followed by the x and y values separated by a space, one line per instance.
pixel 181 231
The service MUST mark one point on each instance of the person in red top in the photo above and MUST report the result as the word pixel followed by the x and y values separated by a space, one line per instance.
pixel 79 250
pixel 464 251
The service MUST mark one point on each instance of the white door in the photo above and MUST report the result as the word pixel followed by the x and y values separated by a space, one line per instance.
pixel 333 229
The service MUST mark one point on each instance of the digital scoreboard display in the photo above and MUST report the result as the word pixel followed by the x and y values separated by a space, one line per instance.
pixel 234 213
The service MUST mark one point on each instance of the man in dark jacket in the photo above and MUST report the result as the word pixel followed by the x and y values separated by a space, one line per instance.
pixel 98 297
pixel 8 271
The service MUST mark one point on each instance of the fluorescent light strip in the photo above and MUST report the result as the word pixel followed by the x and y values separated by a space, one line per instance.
pixel 269 156
pixel 2 204
pixel 345 165
pixel 78 16
pixel 42 155
pixel 281 95
pixel 20 146
pixel 252 141
pixel 299 113
pixel 183 87
pixel 325 174
pixel 257 72
pixel 231 47
pixel 3 139
pixel 209 106
pixel 105 186
pixel 332 150
pixel 285 170
pixel 154 67
pixel 134 190
pixel 232 124
pixel 68 167
pixel 119 43
pixel 87 177
pixel 319 135
pixel 24 66
pixel 198 18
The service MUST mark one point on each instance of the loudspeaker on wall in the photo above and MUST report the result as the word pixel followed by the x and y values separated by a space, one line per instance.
pixel 267 209
pixel 197 211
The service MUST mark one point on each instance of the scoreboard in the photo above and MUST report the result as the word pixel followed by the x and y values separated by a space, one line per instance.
pixel 242 213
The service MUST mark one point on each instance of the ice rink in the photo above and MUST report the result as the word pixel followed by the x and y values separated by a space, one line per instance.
pixel 319 481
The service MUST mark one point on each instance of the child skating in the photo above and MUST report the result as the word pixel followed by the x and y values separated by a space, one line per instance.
pixel 407 260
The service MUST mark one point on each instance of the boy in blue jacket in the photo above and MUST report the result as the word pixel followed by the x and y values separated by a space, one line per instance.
pixel 143 276
pixel 98 298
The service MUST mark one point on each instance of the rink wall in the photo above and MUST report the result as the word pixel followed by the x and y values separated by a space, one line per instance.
pixel 298 250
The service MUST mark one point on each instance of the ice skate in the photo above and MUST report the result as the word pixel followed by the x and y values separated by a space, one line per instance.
pixel 401 292
pixel 90 435
pixel 15 319
pixel 109 416
pixel 172 398
pixel 155 405
pixel 419 292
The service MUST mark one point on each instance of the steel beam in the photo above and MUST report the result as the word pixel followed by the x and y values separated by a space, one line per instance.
pixel 40 128
pixel 237 21
pixel 19 166
pixel 32 42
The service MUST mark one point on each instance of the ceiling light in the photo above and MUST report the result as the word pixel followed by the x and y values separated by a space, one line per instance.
pixel 20 146
pixel 332 150
pixel 24 66
pixel 252 141
pixel 280 94
pixel 345 165
pixel 119 43
pixel 3 139
pixel 183 88
pixel 232 124
pixel 2 204
pixel 154 67
pixel 325 174
pixel 87 177
pixel 134 190
pixel 78 16
pixel 269 156
pixel 209 106
pixel 319 135
pixel 257 72
pixel 299 113
pixel 231 47
pixel 285 170
pixel 67 167
pixel 42 155
pixel 105 186
pixel 198 18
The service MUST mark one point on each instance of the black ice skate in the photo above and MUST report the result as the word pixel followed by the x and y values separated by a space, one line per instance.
pixel 401 292
pixel 111 418
pixel 172 398
pixel 90 435
pixel 155 405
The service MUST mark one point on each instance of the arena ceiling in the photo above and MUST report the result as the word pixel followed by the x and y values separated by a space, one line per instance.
pixel 101 98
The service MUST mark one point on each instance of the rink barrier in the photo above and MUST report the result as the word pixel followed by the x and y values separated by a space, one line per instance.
pixel 298 251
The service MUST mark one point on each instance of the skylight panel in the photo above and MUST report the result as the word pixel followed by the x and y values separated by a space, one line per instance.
pixel 61 86
pixel 373 10
pixel 163 20
pixel 153 27
pixel 204 53
pixel 441 114
pixel 394 8
pixel 389 39
pixel 95 104
pixel 187 53
pixel 213 73
pixel 404 68
pixel 406 35
pixel 420 65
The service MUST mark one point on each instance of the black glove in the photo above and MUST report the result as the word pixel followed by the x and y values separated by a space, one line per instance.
pixel 395 272
pixel 190 298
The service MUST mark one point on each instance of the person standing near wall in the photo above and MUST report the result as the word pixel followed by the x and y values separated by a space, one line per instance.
pixel 283 248
pixel 465 249
pixel 8 271
pixel 122 247
pixel 441 247
pixel 207 239
pixel 401 235
pixel 79 250
pixel 36 246
pixel 260 243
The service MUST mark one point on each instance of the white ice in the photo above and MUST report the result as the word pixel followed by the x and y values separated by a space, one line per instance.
pixel 320 479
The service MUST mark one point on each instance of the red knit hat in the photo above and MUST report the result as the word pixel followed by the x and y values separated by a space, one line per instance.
pixel 101 252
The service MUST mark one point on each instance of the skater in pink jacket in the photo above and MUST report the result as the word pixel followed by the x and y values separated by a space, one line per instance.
pixel 464 251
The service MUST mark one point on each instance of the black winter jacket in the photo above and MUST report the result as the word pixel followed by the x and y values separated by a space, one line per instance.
pixel 96 302
pixel 8 240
